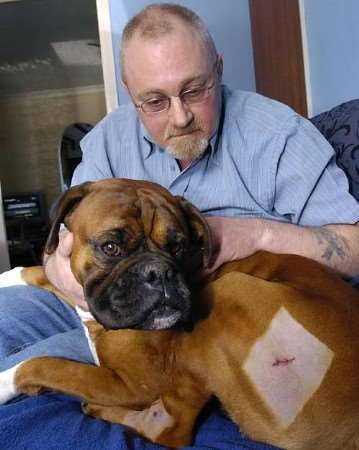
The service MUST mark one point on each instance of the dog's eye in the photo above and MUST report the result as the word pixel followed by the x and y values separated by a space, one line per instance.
pixel 111 248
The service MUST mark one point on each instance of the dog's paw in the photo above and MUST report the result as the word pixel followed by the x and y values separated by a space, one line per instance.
pixel 7 384
pixel 12 278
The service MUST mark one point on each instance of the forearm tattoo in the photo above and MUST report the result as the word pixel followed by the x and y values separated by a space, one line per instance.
pixel 334 244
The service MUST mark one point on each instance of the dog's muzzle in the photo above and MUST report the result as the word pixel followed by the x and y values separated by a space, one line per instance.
pixel 148 293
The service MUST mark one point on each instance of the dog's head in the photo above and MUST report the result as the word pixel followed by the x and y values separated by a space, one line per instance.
pixel 135 247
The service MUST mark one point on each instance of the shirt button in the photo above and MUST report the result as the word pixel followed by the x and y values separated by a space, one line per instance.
pixel 173 168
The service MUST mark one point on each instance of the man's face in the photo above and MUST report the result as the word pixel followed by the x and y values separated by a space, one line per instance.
pixel 170 66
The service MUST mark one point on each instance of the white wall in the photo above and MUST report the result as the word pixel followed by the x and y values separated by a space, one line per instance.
pixel 229 23
pixel 333 51
pixel 4 251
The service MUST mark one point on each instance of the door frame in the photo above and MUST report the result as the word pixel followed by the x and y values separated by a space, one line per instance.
pixel 280 52
pixel 107 54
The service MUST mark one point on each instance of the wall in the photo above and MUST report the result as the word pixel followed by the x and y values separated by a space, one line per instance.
pixel 30 132
pixel 228 21
pixel 333 42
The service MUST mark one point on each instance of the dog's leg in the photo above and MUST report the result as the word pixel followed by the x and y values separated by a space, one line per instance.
pixel 154 422
pixel 12 277
pixel 106 395
pixel 90 383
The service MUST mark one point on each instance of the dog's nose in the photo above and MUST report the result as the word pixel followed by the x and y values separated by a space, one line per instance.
pixel 156 275
pixel 159 278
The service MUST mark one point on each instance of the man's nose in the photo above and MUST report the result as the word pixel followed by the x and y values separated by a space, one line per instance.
pixel 179 113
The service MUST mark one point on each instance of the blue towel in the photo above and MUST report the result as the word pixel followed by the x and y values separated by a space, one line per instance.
pixel 55 422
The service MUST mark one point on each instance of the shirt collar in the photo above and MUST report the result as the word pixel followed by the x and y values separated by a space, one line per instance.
pixel 149 143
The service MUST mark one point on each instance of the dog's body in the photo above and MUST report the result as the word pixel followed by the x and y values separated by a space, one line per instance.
pixel 276 337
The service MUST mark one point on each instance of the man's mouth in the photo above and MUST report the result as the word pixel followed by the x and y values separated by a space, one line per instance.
pixel 184 134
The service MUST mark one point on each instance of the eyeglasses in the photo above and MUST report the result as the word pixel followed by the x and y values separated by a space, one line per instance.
pixel 190 97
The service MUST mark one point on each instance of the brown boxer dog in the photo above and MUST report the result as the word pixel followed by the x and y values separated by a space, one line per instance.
pixel 135 246
pixel 274 337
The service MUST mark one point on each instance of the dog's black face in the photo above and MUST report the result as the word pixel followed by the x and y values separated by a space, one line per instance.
pixel 135 246
pixel 147 291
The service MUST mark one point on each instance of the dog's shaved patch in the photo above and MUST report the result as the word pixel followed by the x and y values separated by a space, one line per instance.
pixel 150 422
pixel 287 364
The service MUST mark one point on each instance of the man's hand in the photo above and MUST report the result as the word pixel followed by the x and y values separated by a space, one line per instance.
pixel 233 239
pixel 58 270
pixel 335 246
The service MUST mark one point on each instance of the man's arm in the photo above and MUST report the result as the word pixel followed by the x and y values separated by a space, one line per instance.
pixel 336 246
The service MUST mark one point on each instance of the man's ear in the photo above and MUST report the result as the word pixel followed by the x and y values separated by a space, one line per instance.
pixel 220 67
pixel 123 84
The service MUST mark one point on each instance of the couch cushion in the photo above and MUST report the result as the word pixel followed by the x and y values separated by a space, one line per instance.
pixel 340 126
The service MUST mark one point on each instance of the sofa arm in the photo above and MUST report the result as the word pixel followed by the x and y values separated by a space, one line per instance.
pixel 340 126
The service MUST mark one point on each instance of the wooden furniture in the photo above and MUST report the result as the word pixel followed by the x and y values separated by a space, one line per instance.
pixel 278 51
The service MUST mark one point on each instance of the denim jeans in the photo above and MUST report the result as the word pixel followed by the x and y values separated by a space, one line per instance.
pixel 34 322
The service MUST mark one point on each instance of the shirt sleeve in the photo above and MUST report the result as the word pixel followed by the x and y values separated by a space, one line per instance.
pixel 310 189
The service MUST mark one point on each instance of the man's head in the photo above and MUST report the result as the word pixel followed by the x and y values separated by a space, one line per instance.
pixel 169 63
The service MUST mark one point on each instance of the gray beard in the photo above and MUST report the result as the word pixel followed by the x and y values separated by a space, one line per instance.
pixel 190 150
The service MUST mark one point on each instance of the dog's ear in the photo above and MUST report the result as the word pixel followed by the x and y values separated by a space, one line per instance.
pixel 199 229
pixel 64 207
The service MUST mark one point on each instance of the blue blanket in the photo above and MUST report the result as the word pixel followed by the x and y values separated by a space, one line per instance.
pixel 56 422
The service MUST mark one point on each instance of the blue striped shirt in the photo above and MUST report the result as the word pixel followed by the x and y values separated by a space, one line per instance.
pixel 264 161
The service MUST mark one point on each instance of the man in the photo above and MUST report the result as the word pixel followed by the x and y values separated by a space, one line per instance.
pixel 209 145
pixel 264 177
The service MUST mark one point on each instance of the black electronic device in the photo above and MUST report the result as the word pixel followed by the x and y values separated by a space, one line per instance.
pixel 26 227
pixel 24 206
